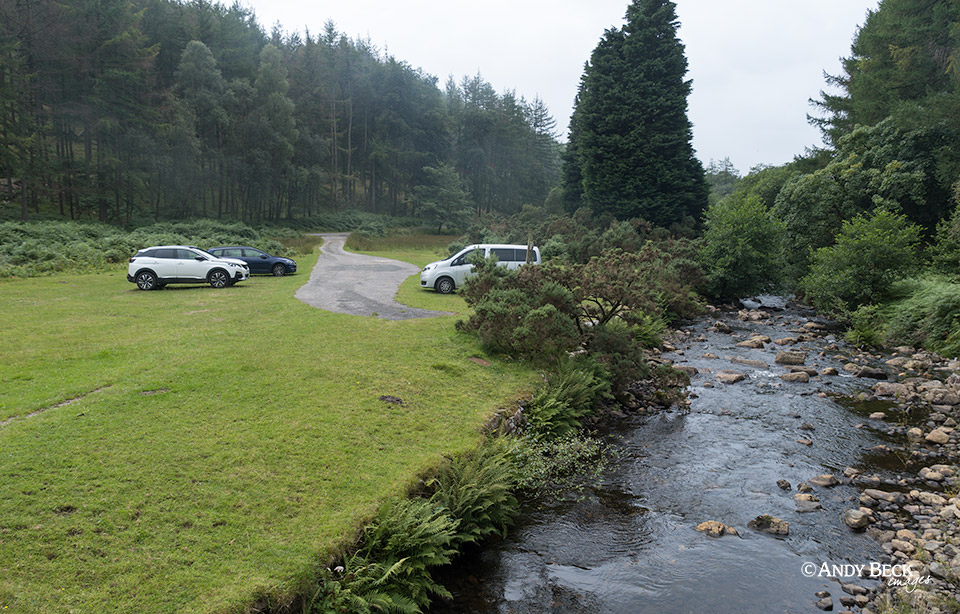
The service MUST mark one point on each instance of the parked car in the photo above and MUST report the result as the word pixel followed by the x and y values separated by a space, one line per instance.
pixel 155 267
pixel 260 262
pixel 445 276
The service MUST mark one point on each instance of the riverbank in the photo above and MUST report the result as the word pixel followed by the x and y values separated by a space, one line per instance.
pixel 630 543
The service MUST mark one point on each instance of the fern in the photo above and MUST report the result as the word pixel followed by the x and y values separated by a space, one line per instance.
pixel 476 489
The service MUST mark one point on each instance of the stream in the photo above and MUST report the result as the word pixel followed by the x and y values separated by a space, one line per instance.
pixel 630 544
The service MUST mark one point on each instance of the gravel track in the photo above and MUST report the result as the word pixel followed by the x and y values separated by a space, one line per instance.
pixel 344 282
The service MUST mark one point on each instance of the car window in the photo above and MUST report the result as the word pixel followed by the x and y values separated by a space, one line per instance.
pixel 504 254
pixel 186 254
pixel 166 253
pixel 147 253
pixel 252 253
pixel 231 253
pixel 463 258
pixel 521 255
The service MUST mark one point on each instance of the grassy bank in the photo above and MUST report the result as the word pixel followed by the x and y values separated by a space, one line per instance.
pixel 214 445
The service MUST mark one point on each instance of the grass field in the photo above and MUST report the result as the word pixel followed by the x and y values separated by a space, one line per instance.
pixel 191 449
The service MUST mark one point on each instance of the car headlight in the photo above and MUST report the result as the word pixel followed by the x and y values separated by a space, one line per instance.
pixel 428 267
pixel 234 264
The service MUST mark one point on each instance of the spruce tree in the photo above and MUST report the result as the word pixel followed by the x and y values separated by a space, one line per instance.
pixel 630 139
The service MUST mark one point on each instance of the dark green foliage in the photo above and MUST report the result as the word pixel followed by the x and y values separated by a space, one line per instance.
pixel 615 347
pixel 630 152
pixel 865 327
pixel 159 109
pixel 523 312
pixel 904 52
pixel 885 165
pixel 648 330
pixel 870 254
pixel 399 546
pixel 741 250
pixel 441 199
pixel 927 314
pixel 567 396
pixel 476 490
pixel 561 465
pixel 38 248
pixel 722 177
pixel 945 253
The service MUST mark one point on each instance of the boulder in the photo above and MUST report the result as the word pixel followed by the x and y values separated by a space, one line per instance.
pixel 750 363
pixel 829 371
pixel 791 357
pixel 871 372
pixel 766 523
pixel 856 519
pixel 754 343
pixel 878 415
pixel 880 495
pixel 798 376
pixel 786 341
pixel 939 436
pixel 714 528
pixel 825 481
pixel 729 377
pixel 890 389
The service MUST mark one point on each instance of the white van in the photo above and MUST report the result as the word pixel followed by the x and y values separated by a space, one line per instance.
pixel 447 275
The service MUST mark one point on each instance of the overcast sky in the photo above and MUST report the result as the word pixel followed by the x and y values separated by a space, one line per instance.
pixel 754 63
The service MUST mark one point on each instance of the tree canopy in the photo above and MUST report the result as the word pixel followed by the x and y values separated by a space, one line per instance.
pixel 630 152
pixel 156 109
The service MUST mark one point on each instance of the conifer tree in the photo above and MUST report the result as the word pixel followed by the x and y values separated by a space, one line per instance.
pixel 630 143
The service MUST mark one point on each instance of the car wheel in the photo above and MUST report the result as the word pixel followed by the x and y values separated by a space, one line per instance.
pixel 444 285
pixel 218 278
pixel 279 270
pixel 146 280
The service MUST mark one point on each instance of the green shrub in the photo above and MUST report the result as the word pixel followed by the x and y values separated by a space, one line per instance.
pixel 613 345
pixel 945 252
pixel 740 255
pixel 476 489
pixel 399 547
pixel 41 248
pixel 871 253
pixel 561 465
pixel 648 330
pixel 523 313
pixel 865 327
pixel 567 396
pixel 927 315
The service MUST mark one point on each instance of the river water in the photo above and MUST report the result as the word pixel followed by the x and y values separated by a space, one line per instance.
pixel 630 545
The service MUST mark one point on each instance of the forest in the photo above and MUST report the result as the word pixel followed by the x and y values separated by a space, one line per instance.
pixel 150 110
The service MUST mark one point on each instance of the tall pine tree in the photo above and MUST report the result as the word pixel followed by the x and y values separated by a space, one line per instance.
pixel 630 141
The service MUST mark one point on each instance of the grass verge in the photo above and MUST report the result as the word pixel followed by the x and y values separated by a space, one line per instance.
pixel 218 445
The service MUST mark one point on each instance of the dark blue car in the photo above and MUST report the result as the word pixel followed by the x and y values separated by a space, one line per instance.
pixel 259 262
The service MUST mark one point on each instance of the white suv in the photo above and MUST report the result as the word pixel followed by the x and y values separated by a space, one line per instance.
pixel 447 275
pixel 155 267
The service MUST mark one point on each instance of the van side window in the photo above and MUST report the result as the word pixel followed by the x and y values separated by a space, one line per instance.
pixel 504 254
pixel 463 258
pixel 521 255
